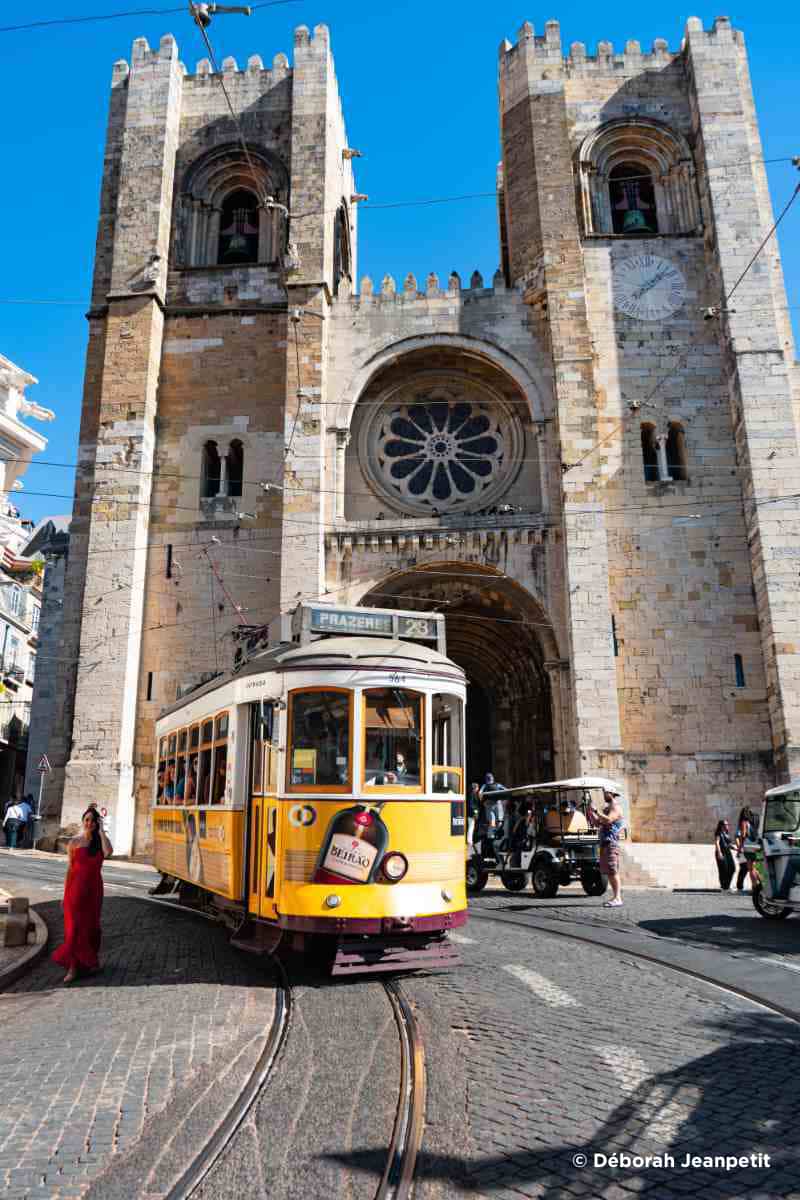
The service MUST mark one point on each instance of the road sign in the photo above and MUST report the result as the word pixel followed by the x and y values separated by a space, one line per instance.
pixel 44 764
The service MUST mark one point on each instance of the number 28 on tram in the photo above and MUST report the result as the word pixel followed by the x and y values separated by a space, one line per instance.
pixel 319 790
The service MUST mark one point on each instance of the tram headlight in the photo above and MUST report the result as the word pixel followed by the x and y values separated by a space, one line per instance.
pixel 333 901
pixel 394 866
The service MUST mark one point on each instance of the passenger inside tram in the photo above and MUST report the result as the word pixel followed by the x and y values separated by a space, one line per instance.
pixel 190 787
pixel 392 741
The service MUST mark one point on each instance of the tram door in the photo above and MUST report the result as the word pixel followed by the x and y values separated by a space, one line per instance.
pixel 263 815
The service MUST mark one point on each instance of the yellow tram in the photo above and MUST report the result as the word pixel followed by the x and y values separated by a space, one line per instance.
pixel 318 790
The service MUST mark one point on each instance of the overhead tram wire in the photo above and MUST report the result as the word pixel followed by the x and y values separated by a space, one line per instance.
pixel 135 12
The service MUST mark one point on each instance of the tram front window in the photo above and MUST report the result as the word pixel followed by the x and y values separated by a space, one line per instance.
pixel 319 723
pixel 392 738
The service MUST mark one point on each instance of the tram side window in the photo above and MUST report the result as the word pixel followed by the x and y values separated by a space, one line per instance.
pixel 169 777
pixel 190 788
pixel 180 770
pixel 319 743
pixel 220 759
pixel 447 751
pixel 392 738
pixel 206 757
pixel 162 771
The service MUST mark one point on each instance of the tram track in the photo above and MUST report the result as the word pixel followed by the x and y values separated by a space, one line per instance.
pixel 203 1163
pixel 398 1177
pixel 397 1180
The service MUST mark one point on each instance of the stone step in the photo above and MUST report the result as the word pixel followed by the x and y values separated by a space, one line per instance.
pixel 669 865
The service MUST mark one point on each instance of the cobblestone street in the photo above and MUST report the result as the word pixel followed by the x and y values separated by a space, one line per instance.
pixel 572 1051
pixel 175 1010
pixel 543 1052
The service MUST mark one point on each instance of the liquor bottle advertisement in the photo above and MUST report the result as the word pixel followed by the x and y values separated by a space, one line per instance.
pixel 353 847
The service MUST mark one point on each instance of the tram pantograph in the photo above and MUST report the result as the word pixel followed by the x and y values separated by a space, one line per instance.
pixel 317 791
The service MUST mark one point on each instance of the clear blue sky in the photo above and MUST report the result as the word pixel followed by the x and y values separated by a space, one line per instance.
pixel 419 87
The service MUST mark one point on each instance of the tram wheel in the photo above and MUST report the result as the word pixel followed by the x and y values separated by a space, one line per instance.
pixel 477 878
pixel 768 908
pixel 544 880
pixel 594 883
pixel 513 881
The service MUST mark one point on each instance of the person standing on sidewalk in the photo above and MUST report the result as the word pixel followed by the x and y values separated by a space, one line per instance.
pixel 723 852
pixel 17 816
pixel 745 832
pixel 83 897
pixel 610 823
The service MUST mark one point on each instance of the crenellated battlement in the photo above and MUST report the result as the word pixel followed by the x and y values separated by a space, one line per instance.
pixel 547 49
pixel 409 292
pixel 142 54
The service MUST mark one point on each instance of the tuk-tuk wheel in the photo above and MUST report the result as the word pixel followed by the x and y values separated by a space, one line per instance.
pixel 544 880
pixel 513 881
pixel 477 878
pixel 772 910
pixel 594 883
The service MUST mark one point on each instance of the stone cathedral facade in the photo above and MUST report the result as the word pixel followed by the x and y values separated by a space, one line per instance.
pixel 588 462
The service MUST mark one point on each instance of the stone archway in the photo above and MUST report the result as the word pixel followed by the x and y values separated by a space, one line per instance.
pixel 502 638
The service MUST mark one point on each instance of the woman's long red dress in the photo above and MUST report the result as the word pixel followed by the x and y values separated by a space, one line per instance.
pixel 83 900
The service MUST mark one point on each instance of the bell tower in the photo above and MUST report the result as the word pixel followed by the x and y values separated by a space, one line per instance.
pixel 198 506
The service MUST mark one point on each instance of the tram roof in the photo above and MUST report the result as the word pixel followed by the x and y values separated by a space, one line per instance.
pixel 370 650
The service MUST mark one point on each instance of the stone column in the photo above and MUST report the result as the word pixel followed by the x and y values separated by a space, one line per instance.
pixel 342 442
pixel 661 456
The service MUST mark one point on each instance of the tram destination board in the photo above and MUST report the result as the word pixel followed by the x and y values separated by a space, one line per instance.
pixel 366 623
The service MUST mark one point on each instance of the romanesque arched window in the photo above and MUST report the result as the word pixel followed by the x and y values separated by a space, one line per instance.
pixel 342 260
pixel 649 453
pixel 221 211
pixel 677 466
pixel 235 468
pixel 210 471
pixel 636 178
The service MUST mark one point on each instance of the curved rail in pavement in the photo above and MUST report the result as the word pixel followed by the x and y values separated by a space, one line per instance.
pixel 633 952
pixel 398 1176
pixel 202 1164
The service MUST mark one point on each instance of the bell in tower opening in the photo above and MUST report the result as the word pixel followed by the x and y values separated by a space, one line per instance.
pixel 238 229
pixel 632 200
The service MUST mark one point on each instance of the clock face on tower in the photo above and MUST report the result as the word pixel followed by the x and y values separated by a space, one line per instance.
pixel 647 287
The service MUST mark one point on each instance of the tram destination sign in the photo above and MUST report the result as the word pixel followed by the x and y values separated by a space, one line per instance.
pixel 372 624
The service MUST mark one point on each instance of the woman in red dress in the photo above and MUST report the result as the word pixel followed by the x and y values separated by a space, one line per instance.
pixel 83 897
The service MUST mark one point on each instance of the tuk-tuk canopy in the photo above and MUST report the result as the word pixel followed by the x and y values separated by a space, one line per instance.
pixel 783 790
pixel 580 782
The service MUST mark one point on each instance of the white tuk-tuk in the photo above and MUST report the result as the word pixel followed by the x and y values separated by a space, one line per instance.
pixel 777 853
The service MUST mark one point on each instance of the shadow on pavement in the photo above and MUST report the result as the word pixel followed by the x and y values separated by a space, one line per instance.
pixel 146 945
pixel 740 1100
pixel 750 933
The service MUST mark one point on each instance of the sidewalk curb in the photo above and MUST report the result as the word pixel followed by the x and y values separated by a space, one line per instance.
pixel 30 958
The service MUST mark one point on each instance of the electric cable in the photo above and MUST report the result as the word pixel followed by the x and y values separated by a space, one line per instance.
pixel 135 12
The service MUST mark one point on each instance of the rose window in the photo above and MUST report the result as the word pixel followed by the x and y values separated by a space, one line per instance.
pixel 441 450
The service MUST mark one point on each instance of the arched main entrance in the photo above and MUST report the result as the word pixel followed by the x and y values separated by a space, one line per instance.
pixel 501 637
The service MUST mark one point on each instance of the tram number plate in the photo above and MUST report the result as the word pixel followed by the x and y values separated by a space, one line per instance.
pixel 456 818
